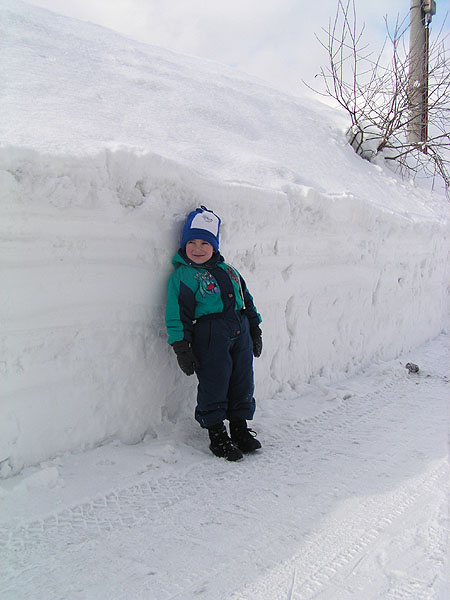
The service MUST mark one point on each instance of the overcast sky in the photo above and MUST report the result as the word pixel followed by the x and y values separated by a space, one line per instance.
pixel 272 39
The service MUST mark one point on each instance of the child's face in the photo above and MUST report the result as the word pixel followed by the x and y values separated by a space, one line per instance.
pixel 199 251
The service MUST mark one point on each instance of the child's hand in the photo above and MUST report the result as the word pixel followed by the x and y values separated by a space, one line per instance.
pixel 185 357
pixel 256 335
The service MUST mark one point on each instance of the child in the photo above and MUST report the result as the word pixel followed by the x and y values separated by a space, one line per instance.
pixel 213 327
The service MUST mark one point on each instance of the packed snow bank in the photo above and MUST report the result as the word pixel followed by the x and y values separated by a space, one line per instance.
pixel 85 260
pixel 109 145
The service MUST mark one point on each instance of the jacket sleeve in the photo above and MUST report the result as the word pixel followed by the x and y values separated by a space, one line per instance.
pixel 180 310
pixel 250 310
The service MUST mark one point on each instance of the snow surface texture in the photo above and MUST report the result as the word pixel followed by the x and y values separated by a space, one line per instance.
pixel 107 146
pixel 348 502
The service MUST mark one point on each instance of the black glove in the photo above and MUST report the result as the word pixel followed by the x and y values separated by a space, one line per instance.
pixel 256 335
pixel 185 357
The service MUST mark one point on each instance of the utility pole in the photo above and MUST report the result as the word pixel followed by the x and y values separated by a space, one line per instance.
pixel 421 13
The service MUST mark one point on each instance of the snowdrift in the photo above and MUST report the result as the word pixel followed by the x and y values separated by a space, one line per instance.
pixel 107 146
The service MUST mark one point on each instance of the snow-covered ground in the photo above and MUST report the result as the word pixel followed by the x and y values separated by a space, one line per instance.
pixel 106 147
pixel 348 500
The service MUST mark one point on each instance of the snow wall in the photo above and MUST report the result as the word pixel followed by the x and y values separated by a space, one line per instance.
pixel 86 255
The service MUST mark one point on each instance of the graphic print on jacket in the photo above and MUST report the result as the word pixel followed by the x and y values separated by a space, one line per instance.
pixel 207 283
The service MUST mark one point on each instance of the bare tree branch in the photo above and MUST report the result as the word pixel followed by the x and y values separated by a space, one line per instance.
pixel 375 92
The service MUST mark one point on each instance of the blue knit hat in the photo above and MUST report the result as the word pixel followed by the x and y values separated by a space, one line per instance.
pixel 202 224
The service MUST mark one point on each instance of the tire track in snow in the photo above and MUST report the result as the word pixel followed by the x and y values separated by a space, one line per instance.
pixel 328 558
pixel 323 572
pixel 134 504
pixel 137 503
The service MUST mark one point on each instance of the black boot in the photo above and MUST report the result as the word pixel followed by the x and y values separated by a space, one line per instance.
pixel 221 445
pixel 243 437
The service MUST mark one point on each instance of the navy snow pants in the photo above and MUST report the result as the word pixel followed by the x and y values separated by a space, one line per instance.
pixel 224 349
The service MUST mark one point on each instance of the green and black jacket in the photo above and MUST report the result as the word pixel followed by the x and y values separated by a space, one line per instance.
pixel 195 291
